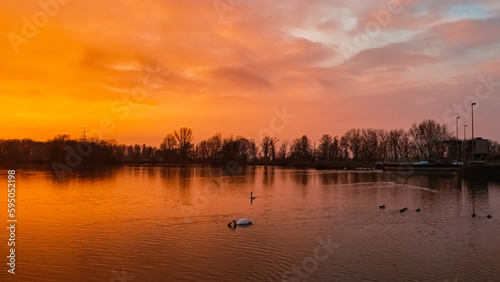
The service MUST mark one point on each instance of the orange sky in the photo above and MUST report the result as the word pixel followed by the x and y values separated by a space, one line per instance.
pixel 136 70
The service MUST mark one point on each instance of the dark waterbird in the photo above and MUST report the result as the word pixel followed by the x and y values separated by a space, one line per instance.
pixel 403 210
pixel 489 216
pixel 382 206
pixel 473 214
pixel 418 209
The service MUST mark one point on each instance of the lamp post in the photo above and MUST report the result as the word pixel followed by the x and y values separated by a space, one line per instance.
pixel 473 143
pixel 465 143
pixel 472 107
pixel 456 142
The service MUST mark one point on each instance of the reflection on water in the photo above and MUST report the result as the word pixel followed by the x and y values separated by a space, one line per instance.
pixel 170 223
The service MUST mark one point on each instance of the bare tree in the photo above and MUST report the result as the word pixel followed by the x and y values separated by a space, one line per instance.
pixel 428 137
pixel 334 149
pixel 184 138
pixel 169 142
pixel 383 145
pixel 282 154
pixel 353 138
pixel 252 149
pixel 395 144
pixel 202 150
pixel 214 144
pixel 236 149
pixel 325 146
pixel 344 148
pixel 369 144
pixel 268 148
pixel 407 148
pixel 301 148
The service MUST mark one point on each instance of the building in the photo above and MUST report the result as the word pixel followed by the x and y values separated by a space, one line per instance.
pixel 470 150
pixel 477 149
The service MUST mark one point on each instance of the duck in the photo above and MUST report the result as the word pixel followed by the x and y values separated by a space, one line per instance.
pixel 489 216
pixel 242 221
pixel 252 197
pixel 418 209
pixel 382 206
pixel 403 210
pixel 473 214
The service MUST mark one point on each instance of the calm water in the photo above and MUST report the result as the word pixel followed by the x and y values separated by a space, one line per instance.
pixel 170 224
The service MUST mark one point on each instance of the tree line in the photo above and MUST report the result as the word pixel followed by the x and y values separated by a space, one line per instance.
pixel 423 141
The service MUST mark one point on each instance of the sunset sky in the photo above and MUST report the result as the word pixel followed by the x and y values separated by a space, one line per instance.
pixel 228 66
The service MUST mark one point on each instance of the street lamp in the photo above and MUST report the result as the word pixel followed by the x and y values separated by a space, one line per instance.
pixel 465 144
pixel 456 142
pixel 473 144
pixel 472 107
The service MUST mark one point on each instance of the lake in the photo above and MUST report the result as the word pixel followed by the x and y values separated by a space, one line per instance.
pixel 170 223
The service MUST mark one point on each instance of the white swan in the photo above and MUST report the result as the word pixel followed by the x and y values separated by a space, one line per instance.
pixel 252 197
pixel 242 221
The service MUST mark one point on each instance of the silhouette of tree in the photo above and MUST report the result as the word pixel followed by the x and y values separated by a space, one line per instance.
pixel 383 146
pixel 137 153
pixel 283 151
pixel 214 146
pixel 406 146
pixel 168 148
pixel 334 149
pixel 130 154
pixel 235 149
pixel 147 153
pixel 424 140
pixel 184 138
pixel 268 148
pixel 301 149
pixel 202 151
pixel 353 138
pixel 344 148
pixel 252 149
pixel 427 137
pixel 369 144
pixel 26 150
pixel 325 146
pixel 169 143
